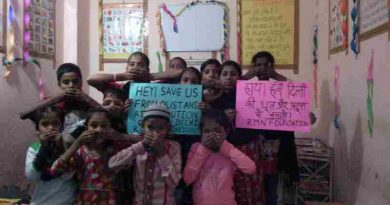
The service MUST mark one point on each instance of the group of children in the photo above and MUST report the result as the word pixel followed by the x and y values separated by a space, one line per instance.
pixel 85 155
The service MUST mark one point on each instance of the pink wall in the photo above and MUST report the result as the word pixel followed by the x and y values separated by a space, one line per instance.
pixel 19 93
pixel 362 168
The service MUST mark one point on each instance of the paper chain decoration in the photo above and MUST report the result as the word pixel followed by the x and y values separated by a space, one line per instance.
pixel 336 84
pixel 9 59
pixel 355 29
pixel 344 26
pixel 315 64
pixel 370 94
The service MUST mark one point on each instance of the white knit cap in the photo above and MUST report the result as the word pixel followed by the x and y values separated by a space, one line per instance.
pixel 157 109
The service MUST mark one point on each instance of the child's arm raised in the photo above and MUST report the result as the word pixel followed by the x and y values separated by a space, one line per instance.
pixel 53 100
pixel 170 164
pixel 198 154
pixel 168 74
pixel 126 157
pixel 68 161
pixel 243 162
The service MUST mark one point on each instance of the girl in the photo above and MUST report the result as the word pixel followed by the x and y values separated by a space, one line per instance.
pixel 264 67
pixel 137 70
pixel 249 188
pixel 210 70
pixel 189 76
pixel 40 156
pixel 88 156
pixel 177 63
pixel 157 160
pixel 212 163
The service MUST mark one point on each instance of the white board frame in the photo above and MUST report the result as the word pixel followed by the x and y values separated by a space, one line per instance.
pixel 200 28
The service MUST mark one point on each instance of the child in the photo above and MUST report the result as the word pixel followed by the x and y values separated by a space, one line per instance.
pixel 210 70
pixel 88 157
pixel 177 63
pixel 189 76
pixel 114 101
pixel 49 190
pixel 249 188
pixel 157 160
pixel 264 67
pixel 76 102
pixel 212 163
pixel 137 70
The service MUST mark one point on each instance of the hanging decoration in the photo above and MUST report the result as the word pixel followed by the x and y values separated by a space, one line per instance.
pixel 370 94
pixel 315 57
pixel 165 8
pixel 336 84
pixel 160 66
pixel 239 59
pixel 344 26
pixel 100 29
pixel 355 29
pixel 9 57
pixel 26 53
pixel 315 64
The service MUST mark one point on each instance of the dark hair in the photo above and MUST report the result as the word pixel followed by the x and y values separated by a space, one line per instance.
pixel 234 64
pixel 180 59
pixel 117 92
pixel 47 153
pixel 43 112
pixel 68 68
pixel 143 56
pixel 93 111
pixel 217 115
pixel 263 54
pixel 209 62
pixel 193 70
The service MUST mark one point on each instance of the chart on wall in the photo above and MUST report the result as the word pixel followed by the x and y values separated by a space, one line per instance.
pixel 41 28
pixel 123 30
pixel 338 25
pixel 270 25
pixel 193 27
pixel 374 16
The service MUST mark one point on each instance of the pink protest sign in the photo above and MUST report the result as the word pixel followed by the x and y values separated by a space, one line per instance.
pixel 273 105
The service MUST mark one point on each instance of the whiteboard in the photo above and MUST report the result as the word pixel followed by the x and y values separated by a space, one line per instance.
pixel 200 28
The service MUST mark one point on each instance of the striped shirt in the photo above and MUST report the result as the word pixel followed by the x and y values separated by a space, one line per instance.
pixel 165 173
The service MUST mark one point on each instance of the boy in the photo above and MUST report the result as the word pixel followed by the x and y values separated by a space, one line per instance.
pixel 157 160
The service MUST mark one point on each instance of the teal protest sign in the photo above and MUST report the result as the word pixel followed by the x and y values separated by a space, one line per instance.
pixel 181 100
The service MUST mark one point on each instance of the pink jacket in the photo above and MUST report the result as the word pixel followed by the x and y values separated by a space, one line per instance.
pixel 212 173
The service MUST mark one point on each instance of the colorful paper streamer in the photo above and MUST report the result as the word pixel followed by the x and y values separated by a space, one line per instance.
pixel 173 17
pixel 315 64
pixel 160 66
pixel 344 26
pixel 336 84
pixel 370 94
pixel 355 29
pixel 225 55
pixel 26 52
